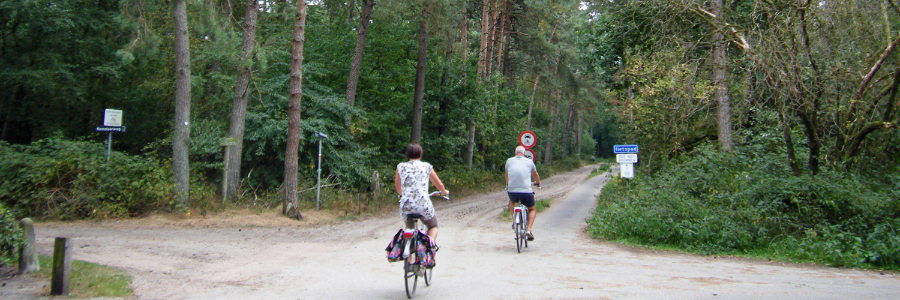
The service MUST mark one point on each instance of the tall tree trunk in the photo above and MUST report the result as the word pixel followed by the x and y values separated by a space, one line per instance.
pixel 578 134
pixel 6 110
pixel 548 144
pixel 506 67
pixel 537 78
pixel 492 41
pixel 464 30
pixel 566 132
pixel 182 130
pixel 294 101
pixel 239 106
pixel 364 17
pixel 419 96
pixel 723 109
pixel 483 53
pixel 789 142
pixel 471 147
pixel 503 31
pixel 811 129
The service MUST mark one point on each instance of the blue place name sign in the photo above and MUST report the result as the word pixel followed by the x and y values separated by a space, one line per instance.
pixel 110 128
pixel 625 149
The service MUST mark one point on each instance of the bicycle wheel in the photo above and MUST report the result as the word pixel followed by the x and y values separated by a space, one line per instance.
pixel 517 218
pixel 524 228
pixel 409 276
pixel 428 276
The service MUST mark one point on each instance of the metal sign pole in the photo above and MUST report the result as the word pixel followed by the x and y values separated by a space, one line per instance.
pixel 108 146
pixel 319 175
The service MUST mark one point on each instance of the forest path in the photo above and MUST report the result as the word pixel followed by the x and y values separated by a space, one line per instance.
pixel 221 258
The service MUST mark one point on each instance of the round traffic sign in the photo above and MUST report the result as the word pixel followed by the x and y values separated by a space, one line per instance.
pixel 530 155
pixel 527 139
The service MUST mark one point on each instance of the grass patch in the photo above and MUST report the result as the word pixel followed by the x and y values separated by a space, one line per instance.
pixel 539 205
pixel 90 280
pixel 599 170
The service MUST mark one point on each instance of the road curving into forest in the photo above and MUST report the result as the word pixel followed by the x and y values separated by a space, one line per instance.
pixel 233 258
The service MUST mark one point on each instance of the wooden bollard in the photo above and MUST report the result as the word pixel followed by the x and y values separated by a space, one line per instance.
pixel 62 267
pixel 28 258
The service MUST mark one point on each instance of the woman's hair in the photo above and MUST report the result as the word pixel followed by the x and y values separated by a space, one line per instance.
pixel 413 151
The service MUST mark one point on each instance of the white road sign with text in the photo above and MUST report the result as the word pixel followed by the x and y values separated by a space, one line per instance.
pixel 626 158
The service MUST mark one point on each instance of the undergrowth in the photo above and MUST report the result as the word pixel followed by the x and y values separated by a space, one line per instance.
pixel 745 202
pixel 10 237
pixel 68 180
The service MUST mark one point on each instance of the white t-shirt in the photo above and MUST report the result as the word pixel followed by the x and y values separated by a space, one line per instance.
pixel 519 170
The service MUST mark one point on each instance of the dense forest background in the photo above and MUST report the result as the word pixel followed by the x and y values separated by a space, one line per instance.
pixel 777 116
pixel 65 62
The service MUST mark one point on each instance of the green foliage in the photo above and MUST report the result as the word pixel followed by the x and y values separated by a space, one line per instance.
pixel 70 180
pixel 122 58
pixel 462 180
pixel 742 202
pixel 10 236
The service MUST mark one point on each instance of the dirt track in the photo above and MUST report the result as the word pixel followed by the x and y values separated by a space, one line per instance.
pixel 269 257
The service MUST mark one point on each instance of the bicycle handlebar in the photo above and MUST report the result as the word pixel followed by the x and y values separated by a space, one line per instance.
pixel 438 193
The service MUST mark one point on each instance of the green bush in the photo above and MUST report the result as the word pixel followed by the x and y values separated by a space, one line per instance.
pixel 745 202
pixel 10 236
pixel 72 180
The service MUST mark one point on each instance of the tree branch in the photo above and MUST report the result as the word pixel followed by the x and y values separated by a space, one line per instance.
pixel 743 41
pixel 862 87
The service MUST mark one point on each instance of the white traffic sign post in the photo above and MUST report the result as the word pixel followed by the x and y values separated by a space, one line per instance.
pixel 112 117
pixel 112 122
pixel 527 139
pixel 626 156
pixel 626 170
pixel 321 136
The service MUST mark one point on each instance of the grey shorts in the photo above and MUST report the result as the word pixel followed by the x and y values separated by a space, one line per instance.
pixel 432 223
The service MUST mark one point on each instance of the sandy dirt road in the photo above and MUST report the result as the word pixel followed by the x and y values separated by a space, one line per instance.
pixel 279 259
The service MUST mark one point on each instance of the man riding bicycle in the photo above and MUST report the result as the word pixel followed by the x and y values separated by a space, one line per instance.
pixel 519 172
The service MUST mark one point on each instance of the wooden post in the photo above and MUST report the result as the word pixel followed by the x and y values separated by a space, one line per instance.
pixel 62 267
pixel 28 259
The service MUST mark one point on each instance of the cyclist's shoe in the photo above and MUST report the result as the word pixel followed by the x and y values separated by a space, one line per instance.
pixel 529 236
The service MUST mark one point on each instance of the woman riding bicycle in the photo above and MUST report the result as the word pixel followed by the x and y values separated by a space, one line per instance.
pixel 411 182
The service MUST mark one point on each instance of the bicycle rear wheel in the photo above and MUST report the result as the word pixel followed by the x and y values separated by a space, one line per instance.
pixel 517 218
pixel 411 279
pixel 409 275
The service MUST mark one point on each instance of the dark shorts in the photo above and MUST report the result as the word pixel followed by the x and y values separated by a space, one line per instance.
pixel 526 199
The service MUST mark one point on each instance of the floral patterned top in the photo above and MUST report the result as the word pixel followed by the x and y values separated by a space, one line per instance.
pixel 414 178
